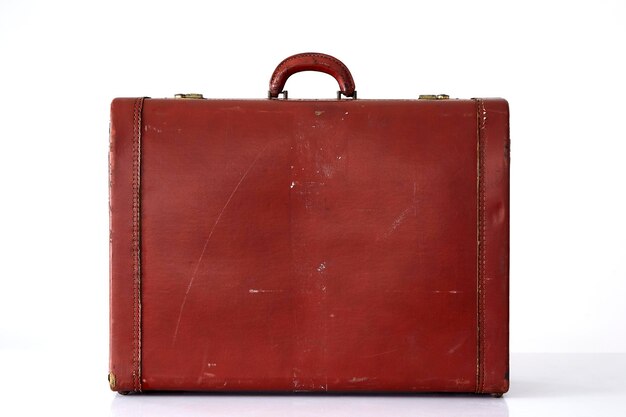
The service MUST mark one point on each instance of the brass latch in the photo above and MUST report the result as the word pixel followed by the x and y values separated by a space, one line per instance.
pixel 195 96
pixel 434 97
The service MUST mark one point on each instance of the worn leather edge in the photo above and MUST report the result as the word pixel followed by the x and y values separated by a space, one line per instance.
pixel 493 267
pixel 124 287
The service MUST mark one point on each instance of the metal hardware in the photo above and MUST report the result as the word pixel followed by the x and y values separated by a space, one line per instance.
pixel 195 96
pixel 285 95
pixel 434 97
pixel 112 380
pixel 340 93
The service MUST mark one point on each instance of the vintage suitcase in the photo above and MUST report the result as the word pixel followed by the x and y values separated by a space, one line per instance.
pixel 283 245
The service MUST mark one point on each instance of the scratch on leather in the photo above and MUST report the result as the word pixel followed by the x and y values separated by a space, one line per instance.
pixel 208 239
pixel 397 222
pixel 380 354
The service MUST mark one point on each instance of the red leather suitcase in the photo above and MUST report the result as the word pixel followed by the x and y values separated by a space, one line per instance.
pixel 286 245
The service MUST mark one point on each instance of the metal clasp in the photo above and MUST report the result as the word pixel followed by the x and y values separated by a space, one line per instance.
pixel 194 96
pixel 434 97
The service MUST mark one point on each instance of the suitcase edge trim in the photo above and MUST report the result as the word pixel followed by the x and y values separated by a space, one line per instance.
pixel 493 246
pixel 125 245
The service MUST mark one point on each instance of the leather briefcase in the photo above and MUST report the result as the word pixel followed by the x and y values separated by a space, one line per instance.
pixel 284 245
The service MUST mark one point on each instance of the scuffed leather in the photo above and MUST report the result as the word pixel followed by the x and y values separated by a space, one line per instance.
pixel 312 245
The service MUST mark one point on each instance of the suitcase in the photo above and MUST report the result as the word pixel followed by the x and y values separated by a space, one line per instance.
pixel 279 245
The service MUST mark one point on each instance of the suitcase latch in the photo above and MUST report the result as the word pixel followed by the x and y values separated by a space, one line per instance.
pixel 195 96
pixel 434 97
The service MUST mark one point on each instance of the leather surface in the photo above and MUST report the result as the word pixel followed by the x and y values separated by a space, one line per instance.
pixel 310 245
pixel 311 61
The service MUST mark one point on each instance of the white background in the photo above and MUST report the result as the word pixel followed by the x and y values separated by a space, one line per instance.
pixel 560 65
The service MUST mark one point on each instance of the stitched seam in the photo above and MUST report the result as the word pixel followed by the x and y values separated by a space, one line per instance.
pixel 139 305
pixel 134 237
pixel 136 244
pixel 483 292
pixel 480 360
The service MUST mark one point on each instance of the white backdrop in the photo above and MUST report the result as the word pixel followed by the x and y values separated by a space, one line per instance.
pixel 560 65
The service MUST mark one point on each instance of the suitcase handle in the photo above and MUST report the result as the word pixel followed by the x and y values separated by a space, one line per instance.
pixel 312 61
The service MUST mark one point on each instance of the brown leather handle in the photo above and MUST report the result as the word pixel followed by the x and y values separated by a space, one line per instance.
pixel 312 61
